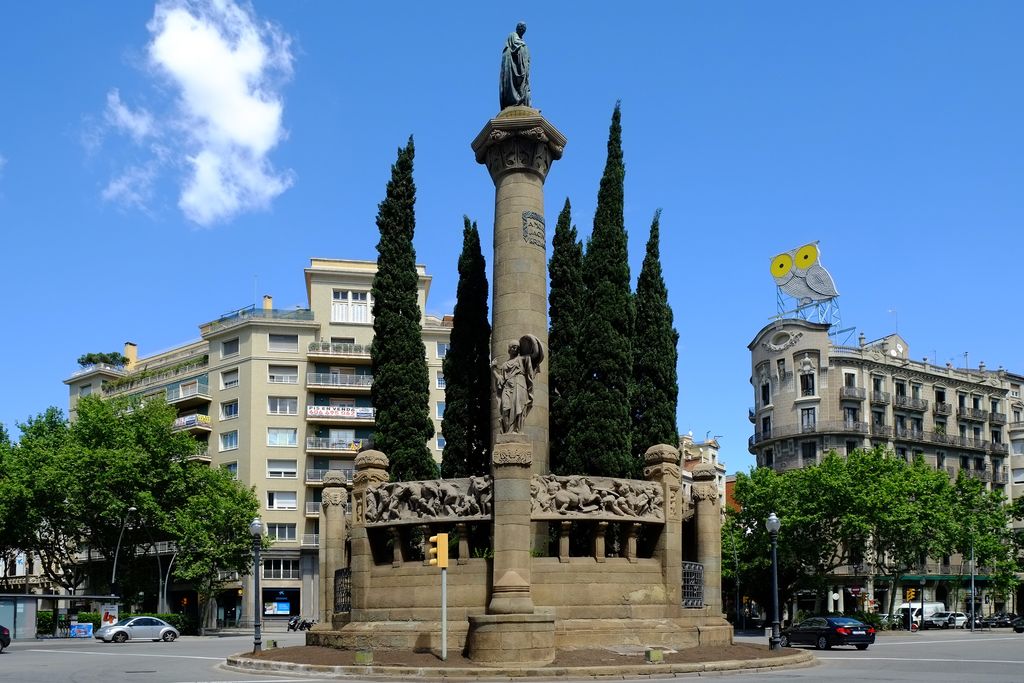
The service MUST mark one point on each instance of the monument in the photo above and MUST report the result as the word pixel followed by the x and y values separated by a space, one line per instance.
pixel 517 597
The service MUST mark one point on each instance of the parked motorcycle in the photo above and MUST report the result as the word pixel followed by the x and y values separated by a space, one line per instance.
pixel 295 623
pixel 306 624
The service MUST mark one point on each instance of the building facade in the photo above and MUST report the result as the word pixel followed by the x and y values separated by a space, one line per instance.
pixel 279 397
pixel 812 397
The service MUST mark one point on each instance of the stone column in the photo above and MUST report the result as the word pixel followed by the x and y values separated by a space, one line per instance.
pixel 371 472
pixel 510 590
pixel 709 534
pixel 563 541
pixel 662 467
pixel 599 537
pixel 332 540
pixel 518 148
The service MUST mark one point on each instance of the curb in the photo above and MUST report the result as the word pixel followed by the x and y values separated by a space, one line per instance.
pixel 801 659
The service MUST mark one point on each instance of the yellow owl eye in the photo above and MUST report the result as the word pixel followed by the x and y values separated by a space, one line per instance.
pixel 781 265
pixel 806 256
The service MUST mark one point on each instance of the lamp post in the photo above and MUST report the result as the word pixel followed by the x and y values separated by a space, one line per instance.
pixel 256 529
pixel 921 625
pixel 773 525
pixel 117 550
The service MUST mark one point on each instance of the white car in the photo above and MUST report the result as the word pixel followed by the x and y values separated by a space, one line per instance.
pixel 942 620
pixel 137 628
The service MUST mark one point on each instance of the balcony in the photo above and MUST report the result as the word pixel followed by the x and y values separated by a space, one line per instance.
pixel 316 477
pixel 341 414
pixel 854 393
pixel 750 415
pixel 193 424
pixel 846 426
pixel 188 394
pixel 881 397
pixel 997 418
pixel 972 442
pixel 325 350
pixel 911 403
pixel 999 448
pixel 884 431
pixel 310 540
pixel 1016 427
pixel 313 508
pixel 328 445
pixel 909 434
pixel 1001 475
pixel 942 409
pixel 244 315
pixel 202 456
pixel 951 471
pixel 943 438
pixel 338 381
pixel 965 413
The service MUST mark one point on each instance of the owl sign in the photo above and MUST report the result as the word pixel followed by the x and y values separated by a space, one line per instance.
pixel 799 274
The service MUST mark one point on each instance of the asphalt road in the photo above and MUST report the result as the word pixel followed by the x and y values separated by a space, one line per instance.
pixel 933 656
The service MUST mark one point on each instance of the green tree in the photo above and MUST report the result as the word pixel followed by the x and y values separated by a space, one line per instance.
pixel 655 386
pixel 602 431
pixel 211 527
pixel 114 358
pixel 565 311
pixel 401 389
pixel 467 375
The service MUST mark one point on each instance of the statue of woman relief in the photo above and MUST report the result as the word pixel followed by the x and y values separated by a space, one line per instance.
pixel 513 382
pixel 514 81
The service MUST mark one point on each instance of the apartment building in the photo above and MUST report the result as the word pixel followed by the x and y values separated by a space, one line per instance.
pixel 279 397
pixel 812 396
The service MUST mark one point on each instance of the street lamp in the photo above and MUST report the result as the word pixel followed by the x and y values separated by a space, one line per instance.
pixel 117 550
pixel 773 525
pixel 256 529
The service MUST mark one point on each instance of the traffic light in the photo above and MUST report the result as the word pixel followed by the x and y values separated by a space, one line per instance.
pixel 438 551
pixel 911 594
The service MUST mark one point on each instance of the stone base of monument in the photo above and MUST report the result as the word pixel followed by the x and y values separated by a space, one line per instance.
pixel 519 639
pixel 408 636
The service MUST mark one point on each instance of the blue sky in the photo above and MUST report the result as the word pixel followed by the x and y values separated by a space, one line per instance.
pixel 161 163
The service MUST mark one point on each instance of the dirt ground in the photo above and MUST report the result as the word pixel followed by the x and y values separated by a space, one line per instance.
pixel 599 657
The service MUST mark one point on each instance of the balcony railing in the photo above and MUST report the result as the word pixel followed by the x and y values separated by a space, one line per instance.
pixel 999 447
pixel 943 438
pixel 191 422
pixel 1016 426
pixel 881 430
pixel 282 573
pixel 336 379
pixel 312 508
pixel 909 433
pixel 911 403
pixel 972 413
pixel 325 443
pixel 750 415
pixel 311 540
pixel 997 418
pixel 326 348
pixel 881 397
pixel 180 392
pixel 856 393
pixel 341 412
pixel 244 315
pixel 943 409
pixel 317 476
pixel 971 442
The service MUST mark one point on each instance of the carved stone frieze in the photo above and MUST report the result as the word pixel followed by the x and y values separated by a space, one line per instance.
pixel 334 478
pixel 438 500
pixel 334 496
pixel 512 453
pixel 705 491
pixel 776 348
pixel 556 497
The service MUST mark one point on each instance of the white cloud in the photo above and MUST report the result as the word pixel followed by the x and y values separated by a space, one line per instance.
pixel 225 68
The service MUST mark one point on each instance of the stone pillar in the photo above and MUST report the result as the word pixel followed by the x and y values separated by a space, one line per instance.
pixel 510 590
pixel 332 540
pixel 709 534
pixel 841 603
pixel 631 552
pixel 371 472
pixel 563 541
pixel 599 537
pixel 518 148
pixel 462 529
pixel 662 467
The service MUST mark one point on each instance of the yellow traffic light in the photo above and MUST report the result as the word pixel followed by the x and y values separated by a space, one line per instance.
pixel 911 593
pixel 438 551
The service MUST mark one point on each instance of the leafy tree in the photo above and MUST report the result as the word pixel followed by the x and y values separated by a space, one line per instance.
pixel 565 311
pixel 114 358
pixel 211 527
pixel 467 394
pixel 602 431
pixel 401 389
pixel 655 386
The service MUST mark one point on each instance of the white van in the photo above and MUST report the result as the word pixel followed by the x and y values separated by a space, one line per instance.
pixel 930 608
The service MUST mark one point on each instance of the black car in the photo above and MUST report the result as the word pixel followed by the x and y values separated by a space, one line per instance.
pixel 824 632
pixel 1000 620
pixel 1018 625
pixel 5 638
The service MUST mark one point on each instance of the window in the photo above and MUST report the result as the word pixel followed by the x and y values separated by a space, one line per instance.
pixel 769 457
pixel 878 418
pixel 766 396
pixel 916 424
pixel 915 391
pixel 442 349
pixel 940 426
pixel 940 395
pixel 900 387
pixel 997 436
pixel 961 400
pixel 281 569
pixel 1016 415
pixel 229 348
pixel 849 379
pixel 343 340
pixel 350 306
pixel 1018 475
pixel 281 500
pixel 283 374
pixel 229 441
pixel 231 467
pixel 280 469
pixel 282 405
pixel 781 365
pixel 281 436
pixel 851 446
pixel 976 402
pixel 440 380
pixel 229 410
pixel 807 385
pixel 807 419
pixel 283 342
pixel 809 451
pixel 1018 447
pixel 877 383
pixel 995 405
pixel 440 409
pixel 901 453
pixel 281 532
pixel 229 379
pixel 440 441
pixel 85 390
pixel 940 460
pixel 851 415
pixel 766 426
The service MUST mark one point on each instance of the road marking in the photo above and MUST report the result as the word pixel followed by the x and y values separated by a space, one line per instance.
pixel 941 642
pixel 929 659
pixel 126 654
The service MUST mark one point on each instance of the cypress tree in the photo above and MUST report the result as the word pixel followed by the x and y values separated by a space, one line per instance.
pixel 602 428
pixel 401 390
pixel 467 373
pixel 655 386
pixel 566 305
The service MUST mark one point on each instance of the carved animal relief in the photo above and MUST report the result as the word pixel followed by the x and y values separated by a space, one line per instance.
pixel 557 497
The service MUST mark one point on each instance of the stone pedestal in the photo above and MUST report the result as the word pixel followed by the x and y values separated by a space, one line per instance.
pixel 371 472
pixel 662 466
pixel 332 546
pixel 518 148
pixel 510 590
pixel 518 639
pixel 709 534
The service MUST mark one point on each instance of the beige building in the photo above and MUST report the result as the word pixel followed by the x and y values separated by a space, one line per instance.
pixel 280 397
pixel 812 396
pixel 694 453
